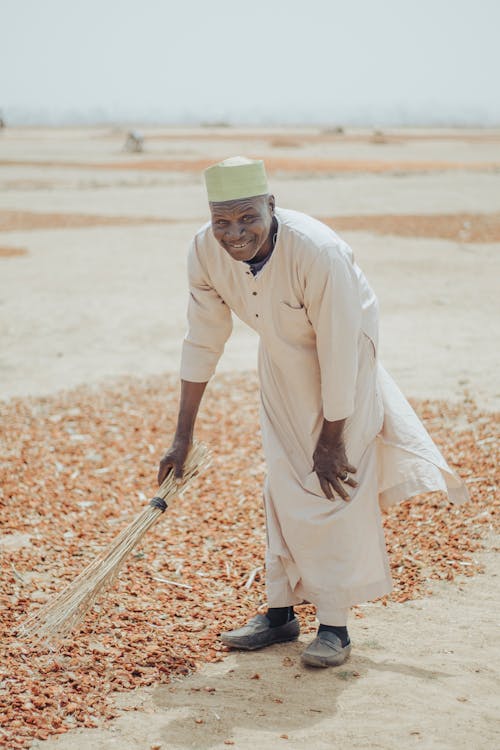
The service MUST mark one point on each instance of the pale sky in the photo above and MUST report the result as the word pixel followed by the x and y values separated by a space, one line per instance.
pixel 357 62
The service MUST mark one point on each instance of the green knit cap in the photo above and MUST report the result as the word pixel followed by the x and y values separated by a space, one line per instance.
pixel 235 178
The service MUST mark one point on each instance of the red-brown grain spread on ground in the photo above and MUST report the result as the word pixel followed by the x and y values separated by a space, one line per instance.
pixel 462 227
pixel 318 166
pixel 72 472
pixel 302 137
pixel 12 252
pixel 14 221
pixel 274 164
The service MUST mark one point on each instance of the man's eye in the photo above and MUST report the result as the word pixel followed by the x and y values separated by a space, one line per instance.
pixel 248 218
pixel 221 223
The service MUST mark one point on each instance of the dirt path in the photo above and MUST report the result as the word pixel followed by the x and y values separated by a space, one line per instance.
pixel 424 674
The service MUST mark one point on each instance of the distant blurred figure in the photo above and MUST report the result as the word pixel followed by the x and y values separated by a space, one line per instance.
pixel 134 142
pixel 2 120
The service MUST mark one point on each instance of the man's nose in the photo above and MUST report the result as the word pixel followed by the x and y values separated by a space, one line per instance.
pixel 234 231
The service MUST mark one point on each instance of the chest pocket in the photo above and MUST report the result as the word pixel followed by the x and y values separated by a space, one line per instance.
pixel 293 326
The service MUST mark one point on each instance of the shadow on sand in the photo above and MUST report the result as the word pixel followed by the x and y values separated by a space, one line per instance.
pixel 269 690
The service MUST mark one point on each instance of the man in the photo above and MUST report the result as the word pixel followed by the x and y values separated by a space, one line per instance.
pixel 339 438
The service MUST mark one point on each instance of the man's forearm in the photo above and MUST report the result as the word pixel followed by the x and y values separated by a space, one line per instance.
pixel 191 395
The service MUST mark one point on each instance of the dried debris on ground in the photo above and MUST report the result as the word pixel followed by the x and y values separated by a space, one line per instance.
pixel 76 467
pixel 274 165
pixel 459 227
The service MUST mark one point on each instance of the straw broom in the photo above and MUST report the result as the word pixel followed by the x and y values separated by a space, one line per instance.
pixel 67 609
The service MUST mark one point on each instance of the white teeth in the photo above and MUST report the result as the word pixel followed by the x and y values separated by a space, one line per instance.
pixel 238 247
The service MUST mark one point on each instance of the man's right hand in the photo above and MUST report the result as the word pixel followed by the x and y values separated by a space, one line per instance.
pixel 174 460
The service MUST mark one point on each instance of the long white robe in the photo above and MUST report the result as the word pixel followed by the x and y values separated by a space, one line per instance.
pixel 317 319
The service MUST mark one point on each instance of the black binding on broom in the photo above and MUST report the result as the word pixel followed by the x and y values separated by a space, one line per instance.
pixel 159 502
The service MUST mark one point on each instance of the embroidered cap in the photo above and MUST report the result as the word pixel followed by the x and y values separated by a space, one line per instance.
pixel 235 178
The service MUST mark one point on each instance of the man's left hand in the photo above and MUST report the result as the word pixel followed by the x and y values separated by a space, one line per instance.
pixel 330 462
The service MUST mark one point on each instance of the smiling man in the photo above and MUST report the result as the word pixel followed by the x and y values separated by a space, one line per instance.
pixel 339 438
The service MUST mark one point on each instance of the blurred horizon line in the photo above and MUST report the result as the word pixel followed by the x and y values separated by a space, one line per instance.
pixel 95 117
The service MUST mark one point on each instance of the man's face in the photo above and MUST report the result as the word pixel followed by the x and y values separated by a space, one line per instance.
pixel 242 227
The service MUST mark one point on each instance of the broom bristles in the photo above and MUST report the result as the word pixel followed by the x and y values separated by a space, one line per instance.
pixel 67 609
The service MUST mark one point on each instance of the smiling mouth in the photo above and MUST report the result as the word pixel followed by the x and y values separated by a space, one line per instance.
pixel 240 245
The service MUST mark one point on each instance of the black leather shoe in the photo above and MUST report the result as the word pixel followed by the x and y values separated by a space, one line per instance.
pixel 258 633
pixel 326 651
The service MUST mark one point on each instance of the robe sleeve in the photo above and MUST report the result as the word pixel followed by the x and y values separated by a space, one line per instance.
pixel 209 324
pixel 334 308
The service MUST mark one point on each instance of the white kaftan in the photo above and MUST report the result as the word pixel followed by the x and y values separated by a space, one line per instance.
pixel 317 319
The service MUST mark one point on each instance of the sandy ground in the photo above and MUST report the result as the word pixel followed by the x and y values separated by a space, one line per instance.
pixel 81 304
pixel 421 675
pixel 89 303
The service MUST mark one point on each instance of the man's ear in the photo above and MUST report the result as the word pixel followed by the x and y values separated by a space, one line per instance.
pixel 271 202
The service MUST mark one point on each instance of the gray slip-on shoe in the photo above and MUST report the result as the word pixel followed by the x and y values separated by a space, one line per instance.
pixel 326 651
pixel 258 633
